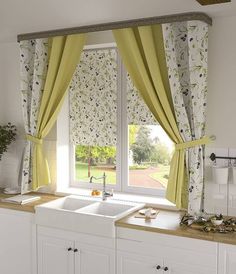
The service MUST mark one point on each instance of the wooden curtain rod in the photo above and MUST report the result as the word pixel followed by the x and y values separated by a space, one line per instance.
pixel 119 25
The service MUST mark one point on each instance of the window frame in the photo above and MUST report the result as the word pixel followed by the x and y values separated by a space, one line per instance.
pixel 122 168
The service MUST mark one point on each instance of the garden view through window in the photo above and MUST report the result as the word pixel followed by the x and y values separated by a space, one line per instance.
pixel 150 151
pixel 94 161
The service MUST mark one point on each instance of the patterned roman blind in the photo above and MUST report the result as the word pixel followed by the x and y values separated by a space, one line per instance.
pixel 137 111
pixel 93 100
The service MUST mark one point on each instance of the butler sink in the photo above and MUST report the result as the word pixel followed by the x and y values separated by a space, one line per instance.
pixel 84 215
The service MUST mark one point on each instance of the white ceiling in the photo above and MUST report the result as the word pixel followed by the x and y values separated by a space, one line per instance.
pixel 22 16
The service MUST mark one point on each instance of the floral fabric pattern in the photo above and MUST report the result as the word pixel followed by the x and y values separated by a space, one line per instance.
pixel 138 112
pixel 33 71
pixel 186 48
pixel 93 99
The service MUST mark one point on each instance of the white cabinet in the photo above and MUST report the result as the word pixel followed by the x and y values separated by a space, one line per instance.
pixel 227 259
pixel 145 252
pixel 63 252
pixel 16 248
pixel 93 260
pixel 55 255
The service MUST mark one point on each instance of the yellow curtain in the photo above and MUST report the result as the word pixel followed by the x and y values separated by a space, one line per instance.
pixel 142 50
pixel 64 56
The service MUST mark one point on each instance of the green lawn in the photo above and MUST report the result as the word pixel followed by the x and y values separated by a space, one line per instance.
pixel 159 176
pixel 81 173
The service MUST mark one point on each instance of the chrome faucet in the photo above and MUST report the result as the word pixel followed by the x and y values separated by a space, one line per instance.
pixel 105 194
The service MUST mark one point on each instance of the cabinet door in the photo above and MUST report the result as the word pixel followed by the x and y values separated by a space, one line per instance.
pixel 55 256
pixel 198 259
pixel 174 267
pixel 227 259
pixel 128 263
pixel 93 260
pixel 15 242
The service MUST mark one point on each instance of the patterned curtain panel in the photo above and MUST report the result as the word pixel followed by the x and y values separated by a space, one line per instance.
pixel 93 100
pixel 138 112
pixel 186 46
pixel 33 70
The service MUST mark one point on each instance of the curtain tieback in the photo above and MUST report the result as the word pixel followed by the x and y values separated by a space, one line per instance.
pixel 202 141
pixel 34 139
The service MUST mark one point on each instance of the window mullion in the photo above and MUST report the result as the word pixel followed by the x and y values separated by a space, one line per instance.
pixel 124 129
pixel 119 159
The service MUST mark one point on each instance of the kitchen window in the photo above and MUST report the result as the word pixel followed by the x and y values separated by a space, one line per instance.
pixel 112 130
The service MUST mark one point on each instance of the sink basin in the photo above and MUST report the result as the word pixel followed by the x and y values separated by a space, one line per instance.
pixel 84 215
pixel 106 209
pixel 69 203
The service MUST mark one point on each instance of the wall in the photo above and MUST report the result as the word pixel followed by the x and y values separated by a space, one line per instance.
pixel 10 111
pixel 221 110
pixel 100 37
pixel 221 96
pixel 221 113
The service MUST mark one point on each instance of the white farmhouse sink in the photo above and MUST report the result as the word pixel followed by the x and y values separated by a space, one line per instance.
pixel 84 215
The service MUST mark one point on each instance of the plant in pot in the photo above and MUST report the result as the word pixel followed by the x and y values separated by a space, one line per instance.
pixel 7 135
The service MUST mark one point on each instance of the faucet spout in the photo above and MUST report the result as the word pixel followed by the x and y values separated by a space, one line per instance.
pixel 105 194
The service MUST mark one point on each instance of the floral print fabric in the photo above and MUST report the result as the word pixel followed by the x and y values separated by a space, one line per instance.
pixel 33 71
pixel 93 100
pixel 186 46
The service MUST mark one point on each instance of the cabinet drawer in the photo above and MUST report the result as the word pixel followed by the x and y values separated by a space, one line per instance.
pixel 154 238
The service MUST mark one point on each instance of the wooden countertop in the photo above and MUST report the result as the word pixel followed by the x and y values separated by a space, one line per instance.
pixel 167 222
pixel 29 207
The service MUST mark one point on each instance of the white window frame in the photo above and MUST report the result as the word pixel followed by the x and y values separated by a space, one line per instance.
pixel 122 169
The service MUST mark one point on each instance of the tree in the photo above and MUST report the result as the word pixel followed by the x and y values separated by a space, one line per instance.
pixel 142 147
pixel 161 154
pixel 93 154
pixel 133 129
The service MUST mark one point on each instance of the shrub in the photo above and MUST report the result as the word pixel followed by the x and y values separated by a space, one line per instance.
pixel 7 135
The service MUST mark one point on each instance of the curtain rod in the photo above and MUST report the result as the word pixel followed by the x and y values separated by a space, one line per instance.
pixel 118 25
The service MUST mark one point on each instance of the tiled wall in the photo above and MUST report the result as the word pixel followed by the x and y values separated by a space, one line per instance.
pixel 220 198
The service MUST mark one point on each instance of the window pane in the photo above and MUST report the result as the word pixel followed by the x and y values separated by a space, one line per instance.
pixel 94 161
pixel 150 152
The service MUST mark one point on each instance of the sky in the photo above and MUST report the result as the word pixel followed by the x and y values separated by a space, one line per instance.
pixel 157 131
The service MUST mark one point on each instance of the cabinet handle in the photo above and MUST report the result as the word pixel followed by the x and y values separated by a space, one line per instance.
pixel 75 250
pixel 166 268
pixel 158 267
pixel 69 249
